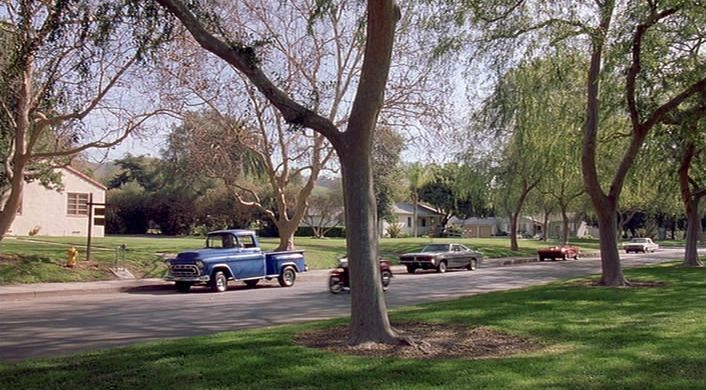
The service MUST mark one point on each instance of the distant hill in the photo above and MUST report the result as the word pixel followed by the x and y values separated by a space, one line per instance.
pixel 101 172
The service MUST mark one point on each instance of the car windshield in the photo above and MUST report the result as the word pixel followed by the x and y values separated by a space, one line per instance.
pixel 640 240
pixel 436 248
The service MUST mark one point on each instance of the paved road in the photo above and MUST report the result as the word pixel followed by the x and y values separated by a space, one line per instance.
pixel 59 325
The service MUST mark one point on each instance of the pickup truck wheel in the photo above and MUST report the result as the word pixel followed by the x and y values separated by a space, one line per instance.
pixel 251 283
pixel 219 283
pixel 441 268
pixel 411 269
pixel 287 277
pixel 472 265
pixel 183 287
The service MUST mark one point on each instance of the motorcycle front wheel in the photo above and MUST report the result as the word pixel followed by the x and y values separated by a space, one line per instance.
pixel 334 285
pixel 386 276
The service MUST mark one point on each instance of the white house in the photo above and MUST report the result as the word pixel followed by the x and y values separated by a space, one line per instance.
pixel 427 221
pixel 47 212
pixel 492 226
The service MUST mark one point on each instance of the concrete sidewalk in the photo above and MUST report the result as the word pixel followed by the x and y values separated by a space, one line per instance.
pixel 39 290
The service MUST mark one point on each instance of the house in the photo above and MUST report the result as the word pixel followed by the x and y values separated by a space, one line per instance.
pixel 476 227
pixel 428 220
pixel 492 226
pixel 529 226
pixel 48 212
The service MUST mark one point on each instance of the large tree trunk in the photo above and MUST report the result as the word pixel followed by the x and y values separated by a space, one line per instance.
pixel 604 206
pixel 612 274
pixel 21 156
pixel 286 234
pixel 693 234
pixel 369 321
pixel 691 204
pixel 8 213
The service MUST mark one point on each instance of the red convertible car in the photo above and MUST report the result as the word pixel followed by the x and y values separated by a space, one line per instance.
pixel 558 252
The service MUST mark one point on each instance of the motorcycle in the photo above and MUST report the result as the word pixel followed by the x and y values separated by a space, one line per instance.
pixel 338 280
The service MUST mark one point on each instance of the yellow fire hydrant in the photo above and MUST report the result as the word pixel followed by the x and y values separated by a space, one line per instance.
pixel 71 259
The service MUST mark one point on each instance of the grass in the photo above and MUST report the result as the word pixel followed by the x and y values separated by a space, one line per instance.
pixel 595 338
pixel 42 259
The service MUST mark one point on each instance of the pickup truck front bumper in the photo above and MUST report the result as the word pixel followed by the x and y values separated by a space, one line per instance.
pixel 195 279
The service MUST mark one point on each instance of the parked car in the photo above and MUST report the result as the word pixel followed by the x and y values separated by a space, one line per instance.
pixel 563 252
pixel 442 257
pixel 233 255
pixel 640 244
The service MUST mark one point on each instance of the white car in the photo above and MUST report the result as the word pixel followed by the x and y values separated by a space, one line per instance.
pixel 640 244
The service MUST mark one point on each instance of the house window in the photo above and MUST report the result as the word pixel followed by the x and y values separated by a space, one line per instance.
pixel 409 222
pixel 77 204
pixel 424 222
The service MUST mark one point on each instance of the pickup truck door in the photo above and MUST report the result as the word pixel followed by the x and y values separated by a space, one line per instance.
pixel 248 264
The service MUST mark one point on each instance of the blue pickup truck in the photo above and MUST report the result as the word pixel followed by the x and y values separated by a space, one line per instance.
pixel 233 255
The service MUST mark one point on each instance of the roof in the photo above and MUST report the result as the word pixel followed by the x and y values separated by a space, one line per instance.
pixel 85 177
pixel 406 208
pixel 475 221
pixel 236 232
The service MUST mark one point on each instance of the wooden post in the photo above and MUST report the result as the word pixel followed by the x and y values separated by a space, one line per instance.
pixel 90 226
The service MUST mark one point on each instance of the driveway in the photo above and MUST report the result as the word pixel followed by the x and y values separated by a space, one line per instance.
pixel 64 324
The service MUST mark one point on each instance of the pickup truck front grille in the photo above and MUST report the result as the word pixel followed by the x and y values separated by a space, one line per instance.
pixel 184 270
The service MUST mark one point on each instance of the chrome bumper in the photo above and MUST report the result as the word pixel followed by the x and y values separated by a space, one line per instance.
pixel 195 279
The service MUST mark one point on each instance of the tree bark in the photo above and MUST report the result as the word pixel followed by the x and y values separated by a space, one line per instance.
pixel 286 231
pixel 526 188
pixel 369 321
pixel 691 205
pixel 21 153
pixel 604 206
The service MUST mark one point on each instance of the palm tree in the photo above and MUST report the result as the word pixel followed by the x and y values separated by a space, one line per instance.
pixel 417 176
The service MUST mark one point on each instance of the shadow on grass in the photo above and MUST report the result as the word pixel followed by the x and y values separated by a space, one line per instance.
pixel 628 338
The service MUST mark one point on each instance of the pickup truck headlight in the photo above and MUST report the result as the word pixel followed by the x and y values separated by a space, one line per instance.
pixel 199 264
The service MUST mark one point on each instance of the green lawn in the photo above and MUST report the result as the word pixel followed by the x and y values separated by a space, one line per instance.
pixel 594 337
pixel 42 259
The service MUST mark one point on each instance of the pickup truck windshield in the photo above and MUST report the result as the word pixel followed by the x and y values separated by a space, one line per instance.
pixel 227 240
pixel 220 241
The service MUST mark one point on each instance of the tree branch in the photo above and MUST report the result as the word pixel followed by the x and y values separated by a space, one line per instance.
pixel 635 67
pixel 243 58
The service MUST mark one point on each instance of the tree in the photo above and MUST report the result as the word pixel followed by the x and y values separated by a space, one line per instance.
pixel 387 173
pixel 685 143
pixel 325 211
pixel 644 58
pixel 457 190
pixel 369 321
pixel 65 62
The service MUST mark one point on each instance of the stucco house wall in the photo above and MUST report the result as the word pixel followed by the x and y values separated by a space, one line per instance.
pixel 45 212
pixel 428 220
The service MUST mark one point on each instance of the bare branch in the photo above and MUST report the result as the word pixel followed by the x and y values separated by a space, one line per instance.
pixel 243 59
